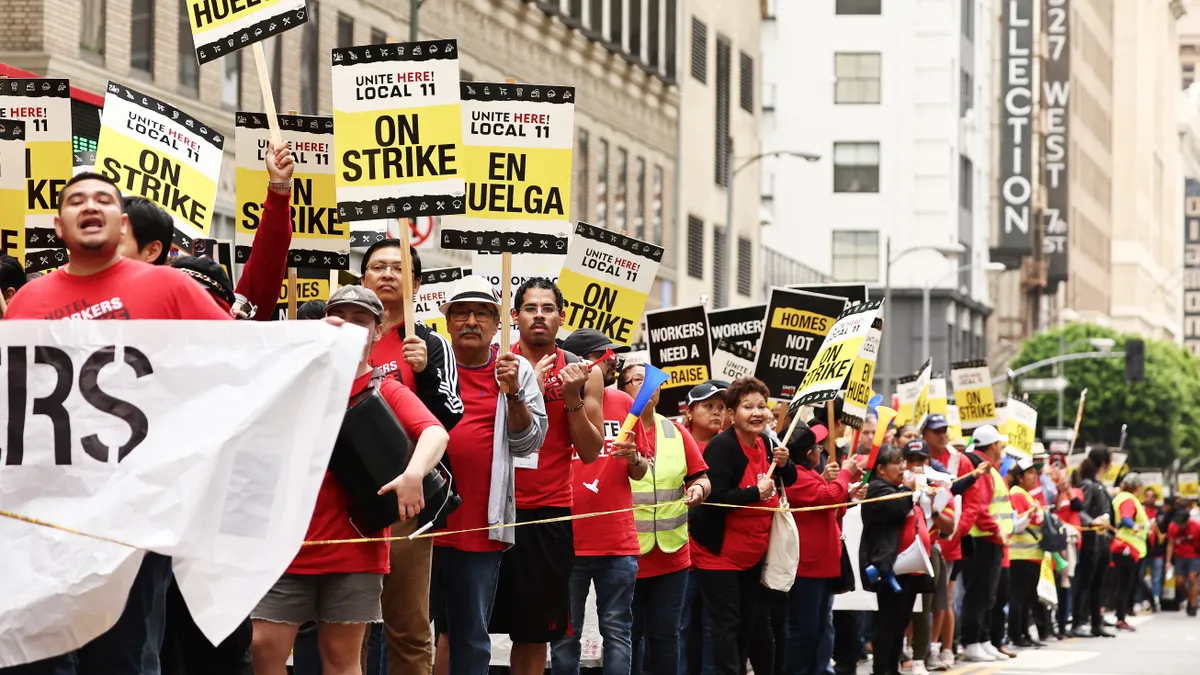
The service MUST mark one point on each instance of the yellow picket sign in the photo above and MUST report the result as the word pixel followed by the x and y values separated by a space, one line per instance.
pixel 221 27
pixel 862 375
pixel 973 393
pixel 843 344
pixel 436 287
pixel 12 189
pixel 921 405
pixel 1189 485
pixel 1021 426
pixel 606 281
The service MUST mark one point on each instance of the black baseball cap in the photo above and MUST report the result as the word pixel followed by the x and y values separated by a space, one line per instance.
pixel 589 341
pixel 703 392
pixel 917 448
pixel 209 274
pixel 935 421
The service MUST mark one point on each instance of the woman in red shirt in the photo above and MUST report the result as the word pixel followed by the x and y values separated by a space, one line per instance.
pixel 728 544
pixel 810 602
pixel 705 414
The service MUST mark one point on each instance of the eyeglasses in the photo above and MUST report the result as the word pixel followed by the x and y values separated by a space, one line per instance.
pixel 381 267
pixel 464 313
pixel 531 310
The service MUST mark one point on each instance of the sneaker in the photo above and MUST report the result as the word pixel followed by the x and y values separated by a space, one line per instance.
pixel 978 654
pixel 993 652
pixel 947 658
pixel 1121 625
pixel 918 668
pixel 932 662
pixel 1082 632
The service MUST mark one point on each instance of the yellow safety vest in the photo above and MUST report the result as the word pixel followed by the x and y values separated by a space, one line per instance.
pixel 666 526
pixel 1000 509
pixel 1026 545
pixel 1135 539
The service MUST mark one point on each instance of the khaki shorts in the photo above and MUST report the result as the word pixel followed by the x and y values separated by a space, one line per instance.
pixel 325 598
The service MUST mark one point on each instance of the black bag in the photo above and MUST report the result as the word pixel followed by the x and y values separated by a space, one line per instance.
pixel 845 583
pixel 371 450
pixel 1054 536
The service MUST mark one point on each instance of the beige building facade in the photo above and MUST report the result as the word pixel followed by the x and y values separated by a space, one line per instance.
pixel 621 55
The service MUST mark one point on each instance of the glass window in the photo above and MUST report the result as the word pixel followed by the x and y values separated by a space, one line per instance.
pixel 141 36
pixel 856 256
pixel 345 34
pixel 378 37
pixel 91 26
pixel 656 210
pixel 856 77
pixel 581 180
pixel 859 6
pixel 602 185
pixel 639 199
pixel 856 167
pixel 189 67
pixel 695 247
pixel 231 80
pixel 622 190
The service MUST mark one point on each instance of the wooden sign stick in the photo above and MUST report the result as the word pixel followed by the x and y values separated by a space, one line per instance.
pixel 506 291
pixel 406 281
pixel 268 97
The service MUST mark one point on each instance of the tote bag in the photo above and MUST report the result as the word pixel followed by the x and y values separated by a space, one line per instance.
pixel 783 551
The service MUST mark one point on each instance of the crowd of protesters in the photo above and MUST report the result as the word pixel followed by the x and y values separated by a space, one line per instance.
pixel 533 440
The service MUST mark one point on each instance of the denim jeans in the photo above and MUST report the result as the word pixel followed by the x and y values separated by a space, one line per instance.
pixel 464 590
pixel 695 634
pixel 306 653
pixel 615 577
pixel 1156 578
pixel 657 621
pixel 810 627
pixel 132 645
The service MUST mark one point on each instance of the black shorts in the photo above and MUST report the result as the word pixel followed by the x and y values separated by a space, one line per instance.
pixel 958 568
pixel 533 599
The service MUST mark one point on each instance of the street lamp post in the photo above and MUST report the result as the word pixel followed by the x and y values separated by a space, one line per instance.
pixel 1102 344
pixel 949 251
pixel 730 172
pixel 990 267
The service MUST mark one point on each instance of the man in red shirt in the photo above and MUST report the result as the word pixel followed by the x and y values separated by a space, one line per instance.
pixel 533 600
pixel 495 428
pixel 1183 551
pixel 422 360
pixel 339 586
pixel 606 547
pixel 97 283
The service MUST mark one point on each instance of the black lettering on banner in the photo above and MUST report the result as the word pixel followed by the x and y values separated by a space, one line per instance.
pixel 8 242
pixel 205 12
pixel 409 160
pixel 742 326
pixel 42 193
pixel 678 342
pixel 306 219
pixel 596 311
pixel 794 326
pixel 52 405
pixel 502 194
pixel 156 178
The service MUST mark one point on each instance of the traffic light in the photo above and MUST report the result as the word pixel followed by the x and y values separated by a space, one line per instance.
pixel 1135 360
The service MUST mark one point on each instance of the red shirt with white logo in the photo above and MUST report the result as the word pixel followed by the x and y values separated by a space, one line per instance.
pixel 470 451
pixel 388 356
pixel 549 484
pixel 331 516
pixel 604 485
pixel 657 562
pixel 129 289
pixel 1187 539
pixel 747 531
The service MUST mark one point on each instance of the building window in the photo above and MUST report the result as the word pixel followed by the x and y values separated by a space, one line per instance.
pixel 596 17
pixel 378 37
pixel 639 198
pixel 856 167
pixel 722 116
pixel 635 27
pixel 968 19
pixel 966 183
pixel 602 185
pixel 310 71
pixel 656 208
pixel 768 189
pixel 967 95
pixel 652 27
pixel 345 34
pixel 273 51
pixel 575 9
pixel 672 27
pixel 720 280
pixel 616 22
pixel 768 10
pixel 141 36
pixel 695 247
pixel 857 77
pixel 745 261
pixel 622 190
pixel 231 81
pixel 91 26
pixel 747 76
pixel 582 159
pixel 189 67
pixel 856 256
pixel 699 50
pixel 1189 74
pixel 859 6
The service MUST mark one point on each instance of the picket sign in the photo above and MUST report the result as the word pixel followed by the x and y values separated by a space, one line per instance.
pixel 505 287
pixel 406 282
pixel 830 441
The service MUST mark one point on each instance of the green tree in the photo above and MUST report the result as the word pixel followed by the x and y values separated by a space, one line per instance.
pixel 1162 412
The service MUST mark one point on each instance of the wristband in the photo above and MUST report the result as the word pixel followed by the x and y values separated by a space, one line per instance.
pixel 280 186
pixel 575 408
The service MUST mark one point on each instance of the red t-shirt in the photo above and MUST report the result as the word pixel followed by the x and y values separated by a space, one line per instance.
pixel 129 289
pixel 1187 539
pixel 604 485
pixel 331 515
pixel 472 441
pixel 747 531
pixel 1065 513
pixel 1118 545
pixel 549 484
pixel 388 356
pixel 657 562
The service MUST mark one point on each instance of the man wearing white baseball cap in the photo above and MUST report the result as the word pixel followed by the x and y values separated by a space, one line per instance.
pixel 987 520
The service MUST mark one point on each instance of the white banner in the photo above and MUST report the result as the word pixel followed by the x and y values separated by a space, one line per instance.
pixel 203 441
